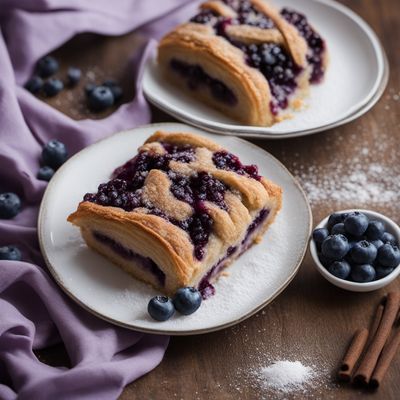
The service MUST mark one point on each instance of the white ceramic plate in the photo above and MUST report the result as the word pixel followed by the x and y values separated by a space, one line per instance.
pixel 105 290
pixel 356 73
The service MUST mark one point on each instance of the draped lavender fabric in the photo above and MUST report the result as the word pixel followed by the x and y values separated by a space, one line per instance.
pixel 34 313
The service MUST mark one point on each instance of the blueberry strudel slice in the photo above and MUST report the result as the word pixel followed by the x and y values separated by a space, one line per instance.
pixel 178 212
pixel 245 58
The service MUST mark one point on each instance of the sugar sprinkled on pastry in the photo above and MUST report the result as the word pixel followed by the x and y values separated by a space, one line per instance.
pixel 245 58
pixel 178 212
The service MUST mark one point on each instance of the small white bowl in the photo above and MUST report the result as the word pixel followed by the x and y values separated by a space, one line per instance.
pixel 390 226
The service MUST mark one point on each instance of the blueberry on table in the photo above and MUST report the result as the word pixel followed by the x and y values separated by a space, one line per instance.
pixel 340 269
pixel 338 229
pixel 10 205
pixel 100 98
pixel 73 76
pixel 160 308
pixel 375 230
pixel 319 235
pixel 54 154
pixel 363 252
pixel 388 255
pixel 10 253
pixel 187 300
pixel 47 66
pixel 52 87
pixel 387 237
pixel 335 247
pixel 363 273
pixel 377 243
pixel 381 271
pixel 45 173
pixel 356 223
pixel 335 218
pixel 34 85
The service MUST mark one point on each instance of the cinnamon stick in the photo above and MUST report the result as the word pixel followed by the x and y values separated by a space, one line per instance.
pixel 353 354
pixel 385 359
pixel 376 321
pixel 371 356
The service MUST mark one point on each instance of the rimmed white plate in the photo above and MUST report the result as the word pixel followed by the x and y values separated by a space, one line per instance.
pixel 357 72
pixel 254 280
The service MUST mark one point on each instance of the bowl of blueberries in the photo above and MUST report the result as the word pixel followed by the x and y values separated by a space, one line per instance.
pixel 357 250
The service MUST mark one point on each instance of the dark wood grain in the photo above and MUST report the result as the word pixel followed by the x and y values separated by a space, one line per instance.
pixel 311 320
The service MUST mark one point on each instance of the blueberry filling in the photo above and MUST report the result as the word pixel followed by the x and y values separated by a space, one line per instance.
pixel 144 262
pixel 230 162
pixel 196 77
pixel 315 43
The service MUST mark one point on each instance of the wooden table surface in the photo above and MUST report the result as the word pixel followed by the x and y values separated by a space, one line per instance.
pixel 311 321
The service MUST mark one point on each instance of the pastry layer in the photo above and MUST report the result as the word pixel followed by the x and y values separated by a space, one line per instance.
pixel 171 214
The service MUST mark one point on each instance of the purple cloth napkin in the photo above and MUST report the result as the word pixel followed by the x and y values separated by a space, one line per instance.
pixel 34 313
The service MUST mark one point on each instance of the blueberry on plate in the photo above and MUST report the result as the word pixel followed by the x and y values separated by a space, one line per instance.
pixel 161 308
pixel 363 252
pixel 387 237
pixel 338 229
pixel 10 205
pixel 381 271
pixel 340 269
pixel 187 300
pixel 377 243
pixel 34 85
pixel 363 273
pixel 100 98
pixel 115 89
pixel 319 235
pixel 47 66
pixel 336 218
pixel 45 173
pixel 388 255
pixel 10 253
pixel 54 154
pixel 73 76
pixel 356 223
pixel 335 247
pixel 375 230
pixel 52 87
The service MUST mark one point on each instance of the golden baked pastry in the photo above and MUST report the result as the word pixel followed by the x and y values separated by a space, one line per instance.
pixel 178 212
pixel 245 58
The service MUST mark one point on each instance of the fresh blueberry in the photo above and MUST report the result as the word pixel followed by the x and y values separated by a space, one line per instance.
pixel 363 273
pixel 335 218
pixel 73 76
pixel 356 223
pixel 388 255
pixel 340 269
pixel 381 271
pixel 338 229
pixel 100 98
pixel 187 300
pixel 89 87
pixel 375 230
pixel 54 154
pixel 34 85
pixel 52 87
pixel 115 89
pixel 45 173
pixel 160 308
pixel 11 253
pixel 363 252
pixel 319 235
pixel 335 247
pixel 10 205
pixel 377 243
pixel 47 66
pixel 325 261
pixel 387 237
